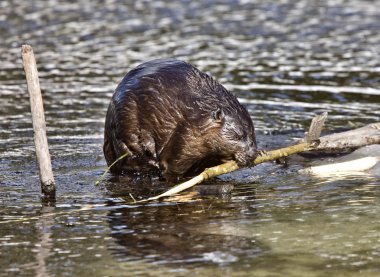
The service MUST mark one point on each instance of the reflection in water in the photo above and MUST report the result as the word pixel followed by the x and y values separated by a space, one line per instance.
pixel 43 251
pixel 285 60
pixel 176 235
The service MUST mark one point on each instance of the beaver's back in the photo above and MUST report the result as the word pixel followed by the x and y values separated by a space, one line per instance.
pixel 158 102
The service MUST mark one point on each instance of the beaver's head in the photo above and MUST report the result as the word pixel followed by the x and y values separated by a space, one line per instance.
pixel 233 136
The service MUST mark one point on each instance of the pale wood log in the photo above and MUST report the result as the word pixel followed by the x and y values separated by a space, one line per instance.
pixel 348 167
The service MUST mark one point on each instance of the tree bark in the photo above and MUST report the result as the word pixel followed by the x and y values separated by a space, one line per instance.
pixel 345 142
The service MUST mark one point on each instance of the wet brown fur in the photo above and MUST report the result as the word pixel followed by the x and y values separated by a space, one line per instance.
pixel 175 120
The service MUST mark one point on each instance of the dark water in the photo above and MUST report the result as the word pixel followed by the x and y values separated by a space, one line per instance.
pixel 286 61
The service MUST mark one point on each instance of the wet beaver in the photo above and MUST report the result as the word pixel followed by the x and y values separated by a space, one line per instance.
pixel 175 120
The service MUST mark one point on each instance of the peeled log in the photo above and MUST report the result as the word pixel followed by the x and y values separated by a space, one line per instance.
pixel 358 165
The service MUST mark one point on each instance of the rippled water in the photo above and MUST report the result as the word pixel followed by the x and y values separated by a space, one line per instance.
pixel 286 61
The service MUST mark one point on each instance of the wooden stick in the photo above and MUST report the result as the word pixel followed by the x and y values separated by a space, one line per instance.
pixel 232 166
pixel 39 126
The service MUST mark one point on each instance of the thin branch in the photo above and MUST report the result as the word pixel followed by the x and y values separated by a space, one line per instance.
pixel 232 166
pixel 108 168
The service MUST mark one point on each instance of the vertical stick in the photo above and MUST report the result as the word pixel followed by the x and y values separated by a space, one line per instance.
pixel 316 126
pixel 39 126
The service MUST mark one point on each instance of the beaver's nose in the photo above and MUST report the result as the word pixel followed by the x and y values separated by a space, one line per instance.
pixel 250 154
pixel 246 158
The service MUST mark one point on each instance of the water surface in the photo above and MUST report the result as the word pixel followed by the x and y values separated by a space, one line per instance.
pixel 285 60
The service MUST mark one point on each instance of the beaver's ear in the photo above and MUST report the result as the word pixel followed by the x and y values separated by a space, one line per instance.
pixel 217 115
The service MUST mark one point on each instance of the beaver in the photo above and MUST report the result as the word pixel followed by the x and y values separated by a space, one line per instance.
pixel 174 120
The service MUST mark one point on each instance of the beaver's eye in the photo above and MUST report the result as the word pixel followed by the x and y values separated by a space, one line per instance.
pixel 217 115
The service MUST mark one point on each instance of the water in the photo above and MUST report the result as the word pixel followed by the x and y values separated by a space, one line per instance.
pixel 285 60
